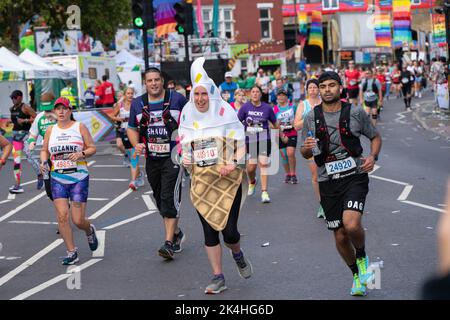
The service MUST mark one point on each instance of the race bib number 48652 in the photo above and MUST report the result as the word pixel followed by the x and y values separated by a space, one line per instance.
pixel 64 165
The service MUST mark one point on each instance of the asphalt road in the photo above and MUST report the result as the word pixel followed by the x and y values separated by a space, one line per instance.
pixel 301 262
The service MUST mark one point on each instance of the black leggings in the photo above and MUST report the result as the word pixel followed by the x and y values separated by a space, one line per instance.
pixel 230 233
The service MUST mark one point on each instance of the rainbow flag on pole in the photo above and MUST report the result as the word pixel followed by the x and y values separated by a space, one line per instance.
pixel 401 10
pixel 316 33
pixel 383 30
pixel 302 19
pixel 164 16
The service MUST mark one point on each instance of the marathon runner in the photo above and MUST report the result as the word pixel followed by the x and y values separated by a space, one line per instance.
pixel 22 116
pixel 121 114
pixel 285 114
pixel 239 99
pixel 256 116
pixel 396 85
pixel 213 145
pixel 343 172
pixel 154 117
pixel 67 144
pixel 304 107
pixel 6 150
pixel 352 76
pixel 371 95
pixel 407 82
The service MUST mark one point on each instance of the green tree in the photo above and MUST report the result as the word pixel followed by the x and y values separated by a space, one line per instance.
pixel 99 19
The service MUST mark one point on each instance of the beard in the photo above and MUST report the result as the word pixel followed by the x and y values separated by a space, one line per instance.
pixel 331 100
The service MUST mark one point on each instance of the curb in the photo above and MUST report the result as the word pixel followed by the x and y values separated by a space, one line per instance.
pixel 423 122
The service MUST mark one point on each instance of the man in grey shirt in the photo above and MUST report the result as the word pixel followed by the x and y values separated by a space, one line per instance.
pixel 331 133
pixel 371 95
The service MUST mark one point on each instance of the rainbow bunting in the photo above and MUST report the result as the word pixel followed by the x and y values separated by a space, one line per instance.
pixel 164 16
pixel 401 10
pixel 302 18
pixel 383 30
pixel 315 33
pixel 439 29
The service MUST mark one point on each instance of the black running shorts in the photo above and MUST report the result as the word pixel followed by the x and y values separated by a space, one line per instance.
pixel 371 104
pixel 348 193
pixel 259 148
pixel 353 93
pixel 292 142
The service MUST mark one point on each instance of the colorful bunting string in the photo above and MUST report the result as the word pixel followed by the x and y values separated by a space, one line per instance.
pixel 315 32
pixel 383 30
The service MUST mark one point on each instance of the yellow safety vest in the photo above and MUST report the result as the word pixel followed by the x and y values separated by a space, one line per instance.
pixel 67 93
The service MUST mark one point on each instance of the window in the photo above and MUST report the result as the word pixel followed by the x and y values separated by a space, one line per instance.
pixel 226 22
pixel 266 23
pixel 330 4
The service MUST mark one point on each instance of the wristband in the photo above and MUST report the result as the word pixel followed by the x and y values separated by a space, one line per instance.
pixel 30 140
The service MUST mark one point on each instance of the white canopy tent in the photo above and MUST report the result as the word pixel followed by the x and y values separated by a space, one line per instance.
pixel 56 70
pixel 127 62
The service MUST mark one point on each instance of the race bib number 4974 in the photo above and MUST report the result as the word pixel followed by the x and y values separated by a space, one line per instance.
pixel 159 147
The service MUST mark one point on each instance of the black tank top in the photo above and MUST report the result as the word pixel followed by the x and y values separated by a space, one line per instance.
pixel 17 113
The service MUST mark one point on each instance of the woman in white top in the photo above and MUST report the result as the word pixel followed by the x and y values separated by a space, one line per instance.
pixel 121 113
pixel 304 107
pixel 68 143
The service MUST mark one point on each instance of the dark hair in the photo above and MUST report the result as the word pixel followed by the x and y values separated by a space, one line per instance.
pixel 443 59
pixel 313 81
pixel 258 87
pixel 434 59
pixel 151 70
pixel 330 75
pixel 171 82
pixel 105 77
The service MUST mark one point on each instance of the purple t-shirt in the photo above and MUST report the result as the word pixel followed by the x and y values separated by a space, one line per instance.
pixel 256 120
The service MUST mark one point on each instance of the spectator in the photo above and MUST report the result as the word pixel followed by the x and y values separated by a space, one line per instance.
pixel 229 86
pixel 98 94
pixel 69 93
pixel 108 92
pixel 89 97
pixel 171 85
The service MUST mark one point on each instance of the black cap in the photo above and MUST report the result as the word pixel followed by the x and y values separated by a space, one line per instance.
pixel 282 91
pixel 16 93
pixel 330 75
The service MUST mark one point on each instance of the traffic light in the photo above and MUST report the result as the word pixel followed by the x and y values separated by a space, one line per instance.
pixel 184 17
pixel 142 11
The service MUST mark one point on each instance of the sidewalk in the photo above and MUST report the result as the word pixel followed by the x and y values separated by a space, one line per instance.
pixel 438 123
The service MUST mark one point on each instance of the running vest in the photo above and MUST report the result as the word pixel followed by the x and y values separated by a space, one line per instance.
pixel 63 142
pixel 123 113
pixel 17 113
pixel 350 143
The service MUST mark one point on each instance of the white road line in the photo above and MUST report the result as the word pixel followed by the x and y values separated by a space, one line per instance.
pixel 405 193
pixel 423 206
pixel 100 252
pixel 30 262
pixel 4 201
pixel 118 224
pixel 375 168
pixel 149 192
pixel 90 163
pixel 109 166
pixel 105 179
pixel 149 203
pixel 390 180
pixel 110 204
pixel 23 205
pixel 11 196
pixel 55 280
pixel 32 222
pixel 98 199
pixel 8 258
pixel 28 182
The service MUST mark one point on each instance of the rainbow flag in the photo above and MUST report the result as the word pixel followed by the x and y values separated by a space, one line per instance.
pixel 401 12
pixel 302 18
pixel 315 33
pixel 164 16
pixel 383 30
pixel 439 29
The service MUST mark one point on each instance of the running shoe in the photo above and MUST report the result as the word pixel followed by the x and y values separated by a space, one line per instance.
pixel 71 258
pixel 244 266
pixel 166 250
pixel 133 185
pixel 126 162
pixel 92 239
pixel 178 240
pixel 16 189
pixel 265 197
pixel 217 285
pixel 40 182
pixel 363 265
pixel 358 289
pixel 294 179
pixel 251 188
pixel 320 213
pixel 140 180
pixel 287 179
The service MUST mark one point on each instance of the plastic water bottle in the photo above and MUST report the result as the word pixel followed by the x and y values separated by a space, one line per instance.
pixel 315 151
pixel 46 171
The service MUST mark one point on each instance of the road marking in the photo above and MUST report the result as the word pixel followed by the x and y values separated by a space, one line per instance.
pixel 4 201
pixel 11 196
pixel 105 179
pixel 375 168
pixel 28 182
pixel 149 192
pixel 100 252
pixel 405 193
pixel 118 224
pixel 55 280
pixel 396 211
pixel 148 202
pixel 30 262
pixel 23 205
pixel 98 199
pixel 32 222
pixel 110 204
pixel 390 180
pixel 109 166
pixel 423 206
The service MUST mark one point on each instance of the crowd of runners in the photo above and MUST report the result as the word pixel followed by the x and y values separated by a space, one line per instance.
pixel 220 136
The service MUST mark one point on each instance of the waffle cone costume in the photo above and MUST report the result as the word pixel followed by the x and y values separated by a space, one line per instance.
pixel 211 194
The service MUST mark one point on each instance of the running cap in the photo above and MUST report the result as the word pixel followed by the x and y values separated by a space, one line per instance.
pixel 282 91
pixel 16 93
pixel 64 101
pixel 330 75
pixel 228 75
pixel 47 99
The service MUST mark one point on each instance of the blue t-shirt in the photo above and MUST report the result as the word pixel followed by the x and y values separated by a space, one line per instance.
pixel 159 144
pixel 256 120
pixel 89 98
pixel 230 87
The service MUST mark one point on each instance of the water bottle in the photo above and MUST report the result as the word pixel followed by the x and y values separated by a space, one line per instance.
pixel 315 151
pixel 46 171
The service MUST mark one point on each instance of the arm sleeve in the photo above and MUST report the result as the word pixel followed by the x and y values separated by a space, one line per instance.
pixel 132 121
